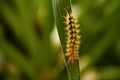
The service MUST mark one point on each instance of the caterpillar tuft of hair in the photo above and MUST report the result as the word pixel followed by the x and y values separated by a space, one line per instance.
pixel 72 37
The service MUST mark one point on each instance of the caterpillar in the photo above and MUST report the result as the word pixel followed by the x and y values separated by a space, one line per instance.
pixel 72 37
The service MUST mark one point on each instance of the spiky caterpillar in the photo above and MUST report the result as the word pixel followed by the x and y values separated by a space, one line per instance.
pixel 72 37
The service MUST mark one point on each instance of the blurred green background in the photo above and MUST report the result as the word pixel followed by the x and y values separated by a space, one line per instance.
pixel 30 48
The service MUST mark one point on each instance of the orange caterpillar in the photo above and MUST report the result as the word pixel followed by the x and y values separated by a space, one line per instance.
pixel 73 37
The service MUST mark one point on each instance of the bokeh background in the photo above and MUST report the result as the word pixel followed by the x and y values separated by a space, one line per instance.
pixel 30 48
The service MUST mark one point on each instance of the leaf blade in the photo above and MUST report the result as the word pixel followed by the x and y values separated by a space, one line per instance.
pixel 58 8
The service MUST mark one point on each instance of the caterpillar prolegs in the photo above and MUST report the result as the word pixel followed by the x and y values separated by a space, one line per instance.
pixel 72 37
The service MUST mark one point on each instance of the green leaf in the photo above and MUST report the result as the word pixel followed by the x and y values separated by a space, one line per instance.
pixel 59 11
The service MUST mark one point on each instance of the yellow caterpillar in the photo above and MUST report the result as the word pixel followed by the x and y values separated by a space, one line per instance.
pixel 73 37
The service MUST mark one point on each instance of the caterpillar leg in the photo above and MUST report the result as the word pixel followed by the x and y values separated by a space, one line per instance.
pixel 72 59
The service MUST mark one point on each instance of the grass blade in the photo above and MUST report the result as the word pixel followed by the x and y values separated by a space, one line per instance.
pixel 59 11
